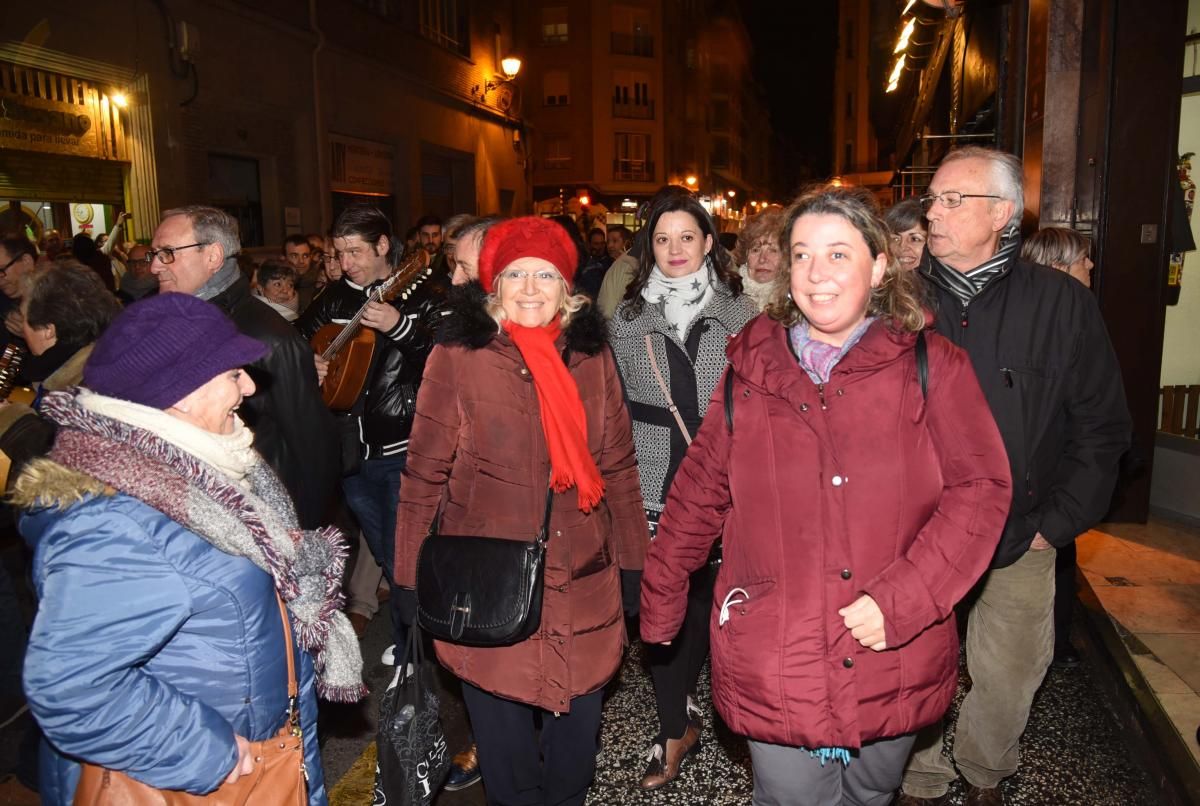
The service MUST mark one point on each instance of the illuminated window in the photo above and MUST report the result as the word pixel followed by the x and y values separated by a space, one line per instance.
pixel 554 25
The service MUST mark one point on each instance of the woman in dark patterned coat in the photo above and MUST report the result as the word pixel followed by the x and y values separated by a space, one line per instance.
pixel 669 336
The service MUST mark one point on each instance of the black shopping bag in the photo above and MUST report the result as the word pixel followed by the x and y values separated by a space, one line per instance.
pixel 411 756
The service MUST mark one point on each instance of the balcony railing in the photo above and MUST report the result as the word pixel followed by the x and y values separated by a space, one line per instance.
pixel 633 45
pixel 633 170
pixel 642 111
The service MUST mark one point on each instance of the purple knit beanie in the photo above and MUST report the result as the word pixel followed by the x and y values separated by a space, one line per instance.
pixel 161 349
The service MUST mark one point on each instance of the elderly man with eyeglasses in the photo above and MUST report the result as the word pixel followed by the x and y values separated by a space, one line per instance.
pixel 194 251
pixel 1044 361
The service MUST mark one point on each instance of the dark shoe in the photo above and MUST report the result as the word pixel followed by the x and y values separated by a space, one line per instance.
pixel 666 759
pixel 983 797
pixel 359 622
pixel 906 799
pixel 1066 658
pixel 464 770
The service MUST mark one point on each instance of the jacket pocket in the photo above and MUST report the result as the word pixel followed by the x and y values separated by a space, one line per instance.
pixel 744 630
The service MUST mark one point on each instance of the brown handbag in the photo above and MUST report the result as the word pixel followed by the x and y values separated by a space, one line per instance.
pixel 279 777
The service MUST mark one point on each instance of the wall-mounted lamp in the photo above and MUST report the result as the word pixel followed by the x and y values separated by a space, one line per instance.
pixel 120 99
pixel 691 181
pixel 509 67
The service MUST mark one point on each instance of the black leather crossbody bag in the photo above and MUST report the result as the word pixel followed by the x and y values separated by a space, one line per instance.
pixel 481 591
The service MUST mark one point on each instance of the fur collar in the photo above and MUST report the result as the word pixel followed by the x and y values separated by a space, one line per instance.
pixel 465 323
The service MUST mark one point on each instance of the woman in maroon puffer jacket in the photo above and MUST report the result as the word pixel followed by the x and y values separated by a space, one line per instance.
pixel 856 508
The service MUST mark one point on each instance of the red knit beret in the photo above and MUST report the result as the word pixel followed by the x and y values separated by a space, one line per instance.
pixel 528 236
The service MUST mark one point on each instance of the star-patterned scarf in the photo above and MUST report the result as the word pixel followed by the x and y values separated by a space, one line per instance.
pixel 679 299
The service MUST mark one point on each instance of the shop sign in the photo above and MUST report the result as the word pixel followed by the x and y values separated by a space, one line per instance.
pixel 56 127
pixel 360 166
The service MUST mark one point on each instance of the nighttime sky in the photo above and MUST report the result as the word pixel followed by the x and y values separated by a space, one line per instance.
pixel 794 45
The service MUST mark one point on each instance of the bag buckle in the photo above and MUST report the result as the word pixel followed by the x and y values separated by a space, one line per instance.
pixel 460 613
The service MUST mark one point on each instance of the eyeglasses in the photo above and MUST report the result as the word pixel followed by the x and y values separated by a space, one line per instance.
pixel 166 255
pixel 542 277
pixel 952 198
pixel 4 269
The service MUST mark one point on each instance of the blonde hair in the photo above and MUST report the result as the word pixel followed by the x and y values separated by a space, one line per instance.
pixel 571 303
pixel 1057 247
pixel 897 298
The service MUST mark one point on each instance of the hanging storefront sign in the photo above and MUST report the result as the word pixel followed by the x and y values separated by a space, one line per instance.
pixel 360 166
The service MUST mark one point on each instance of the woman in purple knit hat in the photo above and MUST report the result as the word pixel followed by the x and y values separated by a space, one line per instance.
pixel 170 571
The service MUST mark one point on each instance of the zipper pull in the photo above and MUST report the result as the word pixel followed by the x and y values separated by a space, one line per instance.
pixel 1008 381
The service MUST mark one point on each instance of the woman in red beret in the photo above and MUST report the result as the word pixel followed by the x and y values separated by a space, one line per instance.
pixel 522 391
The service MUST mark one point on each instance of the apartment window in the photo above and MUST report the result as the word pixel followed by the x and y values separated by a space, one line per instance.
pixel 556 88
pixel 848 159
pixel 631 31
pixel 558 151
pixel 718 156
pixel 554 25
pixel 445 22
pixel 631 157
pixel 631 95
pixel 850 39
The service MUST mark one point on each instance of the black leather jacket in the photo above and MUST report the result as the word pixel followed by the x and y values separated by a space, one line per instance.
pixel 293 429
pixel 386 407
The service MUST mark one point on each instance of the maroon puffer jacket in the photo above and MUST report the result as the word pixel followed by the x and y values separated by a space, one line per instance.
pixel 824 494
pixel 478 448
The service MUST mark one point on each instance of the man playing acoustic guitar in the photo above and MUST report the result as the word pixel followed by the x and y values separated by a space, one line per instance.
pixel 374 372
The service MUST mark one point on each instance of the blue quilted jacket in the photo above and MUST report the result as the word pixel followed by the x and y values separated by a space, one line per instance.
pixel 151 649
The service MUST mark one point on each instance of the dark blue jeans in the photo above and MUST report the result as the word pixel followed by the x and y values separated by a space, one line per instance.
pixel 372 495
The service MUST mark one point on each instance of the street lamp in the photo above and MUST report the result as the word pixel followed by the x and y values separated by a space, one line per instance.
pixel 510 66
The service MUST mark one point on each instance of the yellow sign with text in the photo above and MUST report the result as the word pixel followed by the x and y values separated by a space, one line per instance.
pixel 35 124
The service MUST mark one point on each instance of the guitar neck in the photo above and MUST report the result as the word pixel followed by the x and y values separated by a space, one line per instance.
pixel 351 329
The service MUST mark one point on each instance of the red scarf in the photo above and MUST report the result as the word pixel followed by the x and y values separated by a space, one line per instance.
pixel 563 419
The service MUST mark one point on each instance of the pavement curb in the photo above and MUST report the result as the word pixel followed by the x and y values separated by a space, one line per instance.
pixel 1161 750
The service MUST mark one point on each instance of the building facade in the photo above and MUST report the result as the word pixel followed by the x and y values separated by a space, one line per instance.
pixel 624 96
pixel 280 112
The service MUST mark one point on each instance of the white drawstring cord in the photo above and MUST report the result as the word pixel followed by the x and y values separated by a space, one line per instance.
pixel 729 602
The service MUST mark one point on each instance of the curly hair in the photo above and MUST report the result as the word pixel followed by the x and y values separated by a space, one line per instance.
pixel 676 199
pixel 762 226
pixel 897 298
pixel 70 296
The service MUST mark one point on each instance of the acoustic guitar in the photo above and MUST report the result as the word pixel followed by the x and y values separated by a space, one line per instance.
pixel 348 348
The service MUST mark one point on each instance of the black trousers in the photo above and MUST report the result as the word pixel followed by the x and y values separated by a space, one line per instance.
pixel 522 769
pixel 676 668
pixel 1064 596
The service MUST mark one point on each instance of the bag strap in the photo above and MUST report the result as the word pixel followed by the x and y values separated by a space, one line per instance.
pixel 662 384
pixel 922 364
pixel 729 398
pixel 293 686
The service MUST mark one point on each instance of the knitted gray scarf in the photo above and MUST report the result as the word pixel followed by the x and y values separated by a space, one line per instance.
pixel 258 523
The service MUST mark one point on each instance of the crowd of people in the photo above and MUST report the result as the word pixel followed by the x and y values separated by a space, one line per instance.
pixel 803 456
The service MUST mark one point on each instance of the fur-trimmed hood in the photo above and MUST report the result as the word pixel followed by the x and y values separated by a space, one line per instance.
pixel 465 323
pixel 46 483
